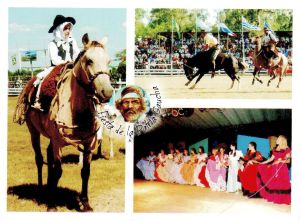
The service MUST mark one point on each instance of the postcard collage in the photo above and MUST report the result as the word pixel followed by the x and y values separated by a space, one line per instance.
pixel 150 110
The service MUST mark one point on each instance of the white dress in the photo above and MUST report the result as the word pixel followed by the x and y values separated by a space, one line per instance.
pixel 232 181
pixel 201 162
pixel 178 162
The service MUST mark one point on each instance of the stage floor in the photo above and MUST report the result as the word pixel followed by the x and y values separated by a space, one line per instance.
pixel 152 196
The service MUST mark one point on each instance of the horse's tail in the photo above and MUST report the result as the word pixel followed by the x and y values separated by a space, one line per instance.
pixel 243 65
pixel 23 104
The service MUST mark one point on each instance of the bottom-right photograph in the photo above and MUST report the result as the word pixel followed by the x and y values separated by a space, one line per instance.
pixel 215 160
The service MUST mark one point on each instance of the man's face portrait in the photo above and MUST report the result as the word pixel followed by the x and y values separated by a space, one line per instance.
pixel 131 109
pixel 131 104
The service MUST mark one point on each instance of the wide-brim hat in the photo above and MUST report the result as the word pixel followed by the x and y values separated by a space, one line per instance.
pixel 59 19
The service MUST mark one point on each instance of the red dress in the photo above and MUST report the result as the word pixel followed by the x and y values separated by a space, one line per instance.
pixel 248 175
pixel 274 180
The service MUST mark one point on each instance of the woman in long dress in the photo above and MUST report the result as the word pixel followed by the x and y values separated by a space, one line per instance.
pixel 233 185
pixel 199 173
pixel 160 171
pixel 178 162
pixel 169 166
pixel 147 166
pixel 187 170
pixel 248 173
pixel 273 180
pixel 216 170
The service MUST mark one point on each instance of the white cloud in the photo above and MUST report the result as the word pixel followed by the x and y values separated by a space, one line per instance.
pixel 17 28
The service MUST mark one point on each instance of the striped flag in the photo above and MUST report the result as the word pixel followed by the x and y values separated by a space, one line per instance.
pixel 225 29
pixel 266 25
pixel 249 26
pixel 175 24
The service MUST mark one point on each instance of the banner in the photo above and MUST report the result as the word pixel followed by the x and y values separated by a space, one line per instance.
pixel 223 28
pixel 176 26
pixel 29 55
pixel 249 26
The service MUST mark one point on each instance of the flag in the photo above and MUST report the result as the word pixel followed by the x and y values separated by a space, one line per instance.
pixel 225 29
pixel 175 24
pixel 14 60
pixel 266 25
pixel 248 26
pixel 200 24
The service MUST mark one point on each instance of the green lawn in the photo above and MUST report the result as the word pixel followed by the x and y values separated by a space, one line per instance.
pixel 107 180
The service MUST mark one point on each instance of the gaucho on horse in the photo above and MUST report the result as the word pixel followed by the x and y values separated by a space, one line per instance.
pixel 69 112
pixel 268 57
pixel 211 59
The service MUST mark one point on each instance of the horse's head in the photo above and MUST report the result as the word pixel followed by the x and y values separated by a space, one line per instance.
pixel 256 40
pixel 93 62
pixel 188 70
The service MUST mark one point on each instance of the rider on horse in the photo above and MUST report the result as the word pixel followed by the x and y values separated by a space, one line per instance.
pixel 211 43
pixel 269 42
pixel 63 48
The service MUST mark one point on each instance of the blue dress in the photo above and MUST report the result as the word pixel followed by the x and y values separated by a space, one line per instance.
pixel 147 167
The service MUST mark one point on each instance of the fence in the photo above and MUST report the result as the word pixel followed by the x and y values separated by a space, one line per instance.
pixel 15 87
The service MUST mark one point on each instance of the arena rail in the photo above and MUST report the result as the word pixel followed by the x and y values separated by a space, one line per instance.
pixel 170 72
pixel 15 89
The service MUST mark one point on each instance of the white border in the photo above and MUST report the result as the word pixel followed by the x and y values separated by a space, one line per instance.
pixel 225 103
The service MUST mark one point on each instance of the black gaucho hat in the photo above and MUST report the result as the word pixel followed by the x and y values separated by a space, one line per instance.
pixel 59 19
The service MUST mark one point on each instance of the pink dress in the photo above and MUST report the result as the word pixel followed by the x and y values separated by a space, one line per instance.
pixel 273 180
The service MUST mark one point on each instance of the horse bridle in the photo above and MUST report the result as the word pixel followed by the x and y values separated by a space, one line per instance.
pixel 87 86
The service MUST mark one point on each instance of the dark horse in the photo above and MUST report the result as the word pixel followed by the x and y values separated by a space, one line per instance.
pixel 202 62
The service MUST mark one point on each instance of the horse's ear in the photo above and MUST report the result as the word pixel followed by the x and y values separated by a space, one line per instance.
pixel 104 41
pixel 85 39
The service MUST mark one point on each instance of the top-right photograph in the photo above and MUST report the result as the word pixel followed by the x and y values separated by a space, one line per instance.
pixel 215 53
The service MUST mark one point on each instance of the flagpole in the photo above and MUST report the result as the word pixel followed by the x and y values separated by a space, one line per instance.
pixel 172 47
pixel 243 46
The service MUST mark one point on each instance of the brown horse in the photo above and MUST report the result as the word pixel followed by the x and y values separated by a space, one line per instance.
pixel 260 61
pixel 71 119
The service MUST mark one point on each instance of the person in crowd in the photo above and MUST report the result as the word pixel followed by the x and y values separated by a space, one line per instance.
pixel 199 173
pixel 160 172
pixel 248 173
pixel 273 179
pixel 147 166
pixel 233 185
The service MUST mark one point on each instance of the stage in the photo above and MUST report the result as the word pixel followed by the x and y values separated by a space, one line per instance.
pixel 153 196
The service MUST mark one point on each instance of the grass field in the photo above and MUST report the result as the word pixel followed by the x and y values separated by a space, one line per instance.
pixel 106 185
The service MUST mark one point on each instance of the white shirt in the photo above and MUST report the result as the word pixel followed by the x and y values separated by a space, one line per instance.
pixel 268 37
pixel 210 40
pixel 53 51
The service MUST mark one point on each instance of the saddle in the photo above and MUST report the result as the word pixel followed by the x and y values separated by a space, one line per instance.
pixel 48 86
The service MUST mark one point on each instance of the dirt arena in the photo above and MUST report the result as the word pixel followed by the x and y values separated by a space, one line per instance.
pixel 153 196
pixel 218 87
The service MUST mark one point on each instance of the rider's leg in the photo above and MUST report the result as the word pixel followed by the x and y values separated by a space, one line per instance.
pixel 37 83
pixel 213 60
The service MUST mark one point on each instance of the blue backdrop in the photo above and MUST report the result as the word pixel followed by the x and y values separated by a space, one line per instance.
pixel 262 144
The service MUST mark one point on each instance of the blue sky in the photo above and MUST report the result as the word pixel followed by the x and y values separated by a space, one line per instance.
pixel 28 29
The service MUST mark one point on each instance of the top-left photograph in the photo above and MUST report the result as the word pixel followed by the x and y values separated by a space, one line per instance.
pixel 66 139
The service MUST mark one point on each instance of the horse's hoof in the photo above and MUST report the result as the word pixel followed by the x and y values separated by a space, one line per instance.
pixel 84 205
pixel 51 209
pixel 192 88
pixel 260 81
